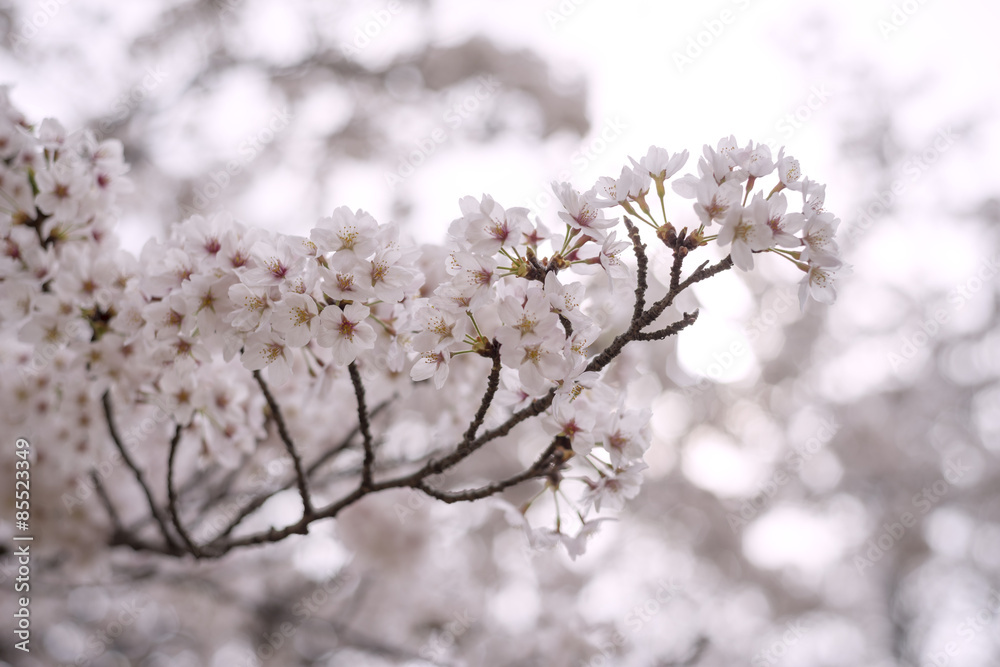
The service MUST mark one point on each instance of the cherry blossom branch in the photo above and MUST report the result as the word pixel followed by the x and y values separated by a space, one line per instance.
pixel 172 495
pixel 687 320
pixel 140 478
pixel 258 501
pixel 470 443
pixel 642 263
pixel 307 507
pixel 359 393
pixel 102 493
pixel 541 467
pixel 491 390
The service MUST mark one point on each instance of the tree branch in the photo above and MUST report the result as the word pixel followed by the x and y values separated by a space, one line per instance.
pixel 491 389
pixel 538 469
pixel 172 495
pixel 307 508
pixel 172 545
pixel 643 269
pixel 366 433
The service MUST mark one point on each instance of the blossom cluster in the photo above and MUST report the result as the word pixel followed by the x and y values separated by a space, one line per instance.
pixel 727 176
pixel 162 330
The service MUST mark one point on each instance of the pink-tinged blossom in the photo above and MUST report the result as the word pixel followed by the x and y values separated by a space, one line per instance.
pixel 431 364
pixel 348 282
pixel 756 160
pixel 346 332
pixel 813 198
pixel 617 271
pixel 565 299
pixel 581 211
pixel 610 191
pixel 474 275
pixel 203 238
pixel 207 299
pixel 660 164
pixel 485 226
pixel 389 279
pixel 577 545
pixel 349 235
pixel 539 364
pixel 275 265
pixel 167 267
pixel 438 329
pixel 268 350
pixel 183 394
pixel 818 237
pixel 60 190
pixel 819 282
pixel 251 308
pixel 627 436
pixel 613 489
pixel 717 164
pixel 296 316
pixel 573 421
pixel 783 227
pixel 169 317
pixel 748 232
pixel 527 319
pixel 713 202
pixel 789 172
pixel 51 135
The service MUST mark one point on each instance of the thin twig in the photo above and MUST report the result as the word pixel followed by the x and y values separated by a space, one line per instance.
pixel 680 252
pixel 258 501
pixel 643 268
pixel 102 493
pixel 687 320
pixel 346 441
pixel 116 438
pixel 491 389
pixel 366 432
pixel 537 469
pixel 172 495
pixel 307 508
